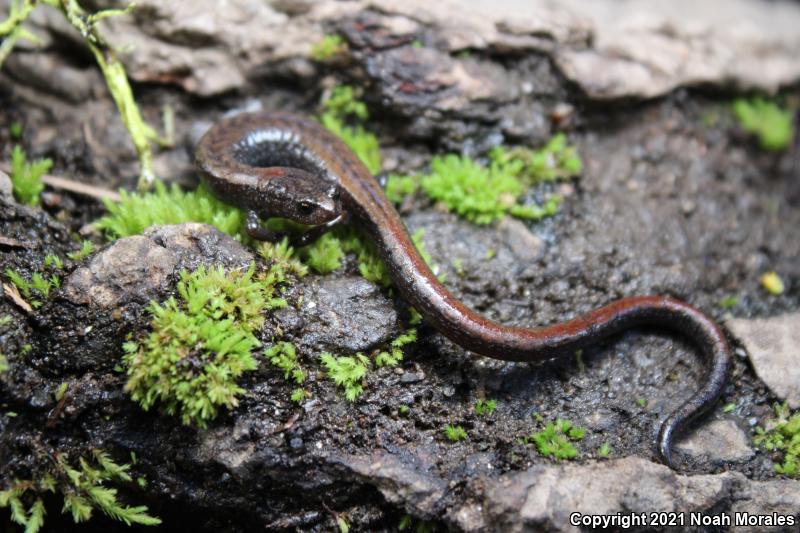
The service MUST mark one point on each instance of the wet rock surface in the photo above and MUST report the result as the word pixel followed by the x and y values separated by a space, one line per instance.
pixel 673 200
pixel 772 345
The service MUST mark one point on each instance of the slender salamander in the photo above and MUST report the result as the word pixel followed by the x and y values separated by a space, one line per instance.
pixel 283 165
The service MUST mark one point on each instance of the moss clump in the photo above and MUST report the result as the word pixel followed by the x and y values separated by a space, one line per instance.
pixel 84 489
pixel 455 433
pixel 87 249
pixel 344 116
pixel 325 254
pixel 136 212
pixel 200 345
pixel 328 47
pixel 394 354
pixel 347 372
pixel 399 187
pixel 769 122
pixel 556 160
pixel 36 289
pixel 782 436
pixel 26 177
pixel 556 439
pixel 485 407
pixel 284 356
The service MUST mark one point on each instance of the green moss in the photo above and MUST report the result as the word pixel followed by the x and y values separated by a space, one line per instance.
pixel 485 407
pixel 136 212
pixel 87 248
pixel 84 489
pixel 781 435
pixel 36 289
pixel 729 302
pixel 325 254
pixel 26 177
pixel 729 407
pixel 394 354
pixel 15 130
pixel 344 115
pixel 282 262
pixel 200 344
pixel 327 47
pixel 347 372
pixel 455 433
pixel 284 356
pixel 556 439
pixel 769 122
pixel 485 193
pixel 556 160
pixel 604 450
pixel 3 363
pixel 364 144
pixel 399 187
pixel 53 261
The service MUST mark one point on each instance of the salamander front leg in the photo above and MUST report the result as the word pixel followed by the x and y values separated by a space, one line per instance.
pixel 258 232
pixel 297 239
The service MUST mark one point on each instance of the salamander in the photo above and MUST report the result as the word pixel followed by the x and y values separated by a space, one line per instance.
pixel 276 164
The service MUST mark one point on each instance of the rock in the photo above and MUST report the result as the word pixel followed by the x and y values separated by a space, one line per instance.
pixel 651 51
pixel 402 480
pixel 764 498
pixel 543 497
pixel 718 440
pixel 137 269
pixel 342 314
pixel 6 188
pixel 772 345
pixel 608 49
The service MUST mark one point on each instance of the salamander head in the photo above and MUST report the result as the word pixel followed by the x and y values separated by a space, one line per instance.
pixel 302 198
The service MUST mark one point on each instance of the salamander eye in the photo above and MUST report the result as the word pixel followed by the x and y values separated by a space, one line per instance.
pixel 305 208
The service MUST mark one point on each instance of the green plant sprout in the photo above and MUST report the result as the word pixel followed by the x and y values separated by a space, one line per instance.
pixel 4 366
pixel 327 47
pixel 200 345
pixel 769 122
pixel 398 187
pixel 36 289
pixel 136 212
pixel 347 372
pixel 86 249
pixel 394 355
pixel 340 107
pixel 604 450
pixel 485 407
pixel 284 356
pixel 26 177
pixel 11 29
pixel 455 433
pixel 53 261
pixel 84 489
pixel 16 129
pixel 729 302
pixel 555 440
pixel 782 436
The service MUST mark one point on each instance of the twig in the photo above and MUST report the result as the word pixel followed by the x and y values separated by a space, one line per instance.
pixel 12 292
pixel 77 187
